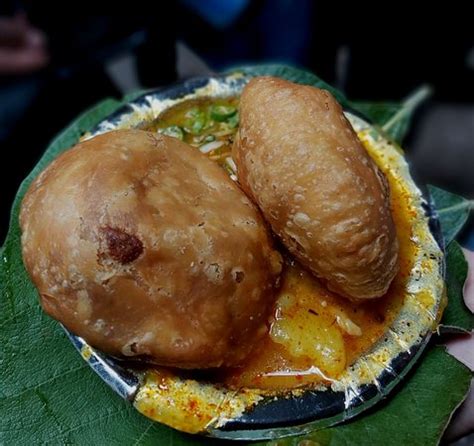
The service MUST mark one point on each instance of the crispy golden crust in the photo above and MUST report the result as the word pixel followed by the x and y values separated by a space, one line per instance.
pixel 302 163
pixel 141 245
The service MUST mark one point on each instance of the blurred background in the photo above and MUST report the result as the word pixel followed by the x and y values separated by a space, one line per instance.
pixel 55 61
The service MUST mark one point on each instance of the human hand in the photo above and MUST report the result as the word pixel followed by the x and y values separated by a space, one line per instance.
pixel 462 348
pixel 22 46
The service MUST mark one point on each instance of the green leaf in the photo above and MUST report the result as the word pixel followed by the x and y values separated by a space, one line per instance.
pixel 49 395
pixel 394 118
pixel 457 316
pixel 378 112
pixel 453 211
pixel 415 415
pixel 397 125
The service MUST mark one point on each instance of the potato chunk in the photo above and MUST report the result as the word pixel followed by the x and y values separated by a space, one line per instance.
pixel 141 245
pixel 308 334
pixel 302 163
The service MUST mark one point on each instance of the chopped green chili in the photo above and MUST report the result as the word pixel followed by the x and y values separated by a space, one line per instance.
pixel 195 122
pixel 222 113
pixel 233 121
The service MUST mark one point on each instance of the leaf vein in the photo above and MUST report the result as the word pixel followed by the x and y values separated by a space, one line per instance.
pixel 94 420
pixel 468 204
pixel 47 381
pixel 13 318
pixel 139 439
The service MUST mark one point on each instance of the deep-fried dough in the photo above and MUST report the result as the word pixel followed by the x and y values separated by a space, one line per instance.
pixel 141 245
pixel 302 163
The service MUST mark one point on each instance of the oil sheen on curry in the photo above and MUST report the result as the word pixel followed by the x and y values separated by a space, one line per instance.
pixel 314 334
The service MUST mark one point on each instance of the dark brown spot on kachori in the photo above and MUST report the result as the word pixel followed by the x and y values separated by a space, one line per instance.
pixel 119 245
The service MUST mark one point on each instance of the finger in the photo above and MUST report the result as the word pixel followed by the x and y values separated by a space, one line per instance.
pixel 12 31
pixel 17 31
pixel 463 420
pixel 469 285
pixel 14 61
pixel 34 38
pixel 462 348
